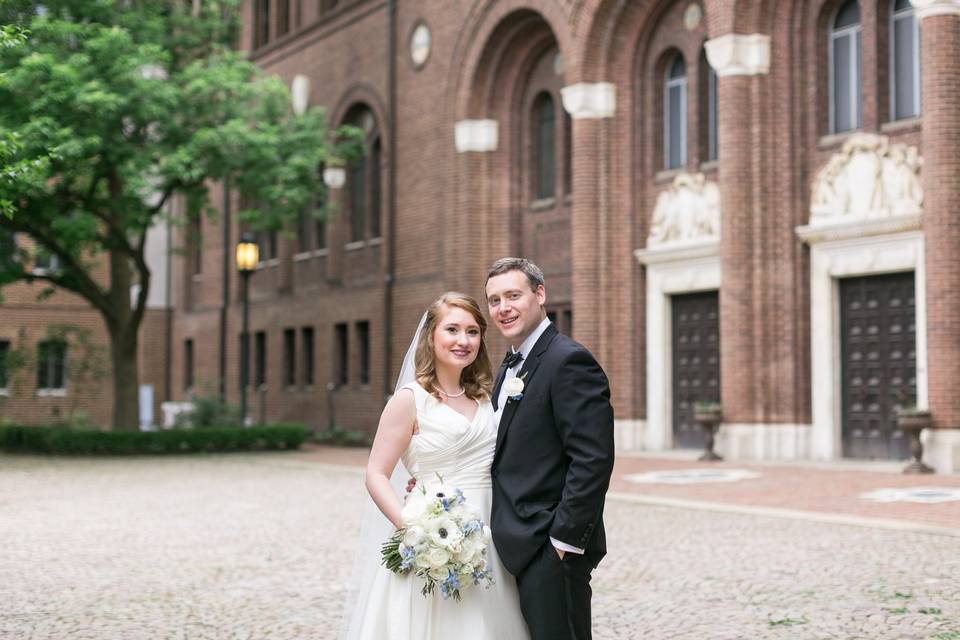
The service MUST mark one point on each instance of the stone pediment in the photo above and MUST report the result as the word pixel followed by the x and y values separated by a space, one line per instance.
pixel 686 213
pixel 868 179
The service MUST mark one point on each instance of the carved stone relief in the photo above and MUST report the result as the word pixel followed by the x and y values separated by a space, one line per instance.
pixel 869 178
pixel 687 212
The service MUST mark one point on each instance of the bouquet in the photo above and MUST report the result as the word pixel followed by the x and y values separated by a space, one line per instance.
pixel 443 540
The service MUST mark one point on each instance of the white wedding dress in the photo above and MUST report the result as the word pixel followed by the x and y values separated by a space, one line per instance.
pixel 461 450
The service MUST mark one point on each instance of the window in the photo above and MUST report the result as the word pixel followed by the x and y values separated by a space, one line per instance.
pixel 261 28
pixel 363 178
pixel 358 199
pixel 267 241
pixel 304 234
pixel 567 153
pixel 196 244
pixel 51 364
pixel 306 346
pixel 244 352
pixel 375 159
pixel 283 17
pixel 544 160
pixel 321 228
pixel 562 319
pixel 675 114
pixel 904 61
pixel 4 367
pixel 845 107
pixel 340 349
pixel 187 364
pixel 260 358
pixel 712 130
pixel 45 262
pixel 363 342
pixel 289 357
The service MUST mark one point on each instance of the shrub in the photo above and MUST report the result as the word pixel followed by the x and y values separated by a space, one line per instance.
pixel 208 411
pixel 338 437
pixel 57 440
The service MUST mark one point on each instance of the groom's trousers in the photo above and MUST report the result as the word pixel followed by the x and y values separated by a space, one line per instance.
pixel 555 595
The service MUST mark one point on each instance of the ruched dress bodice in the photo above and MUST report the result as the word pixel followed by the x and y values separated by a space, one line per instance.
pixel 450 444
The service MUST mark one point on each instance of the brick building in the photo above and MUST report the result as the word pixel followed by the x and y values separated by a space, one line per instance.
pixel 746 201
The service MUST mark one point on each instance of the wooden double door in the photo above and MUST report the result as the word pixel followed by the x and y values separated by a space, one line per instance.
pixel 879 363
pixel 695 321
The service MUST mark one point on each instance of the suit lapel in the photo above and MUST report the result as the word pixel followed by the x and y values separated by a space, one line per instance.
pixel 501 374
pixel 527 371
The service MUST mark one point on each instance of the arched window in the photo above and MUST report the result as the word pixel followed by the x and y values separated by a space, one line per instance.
pixel 363 178
pixel 358 198
pixel 375 159
pixel 845 103
pixel 544 159
pixel 675 114
pixel 904 61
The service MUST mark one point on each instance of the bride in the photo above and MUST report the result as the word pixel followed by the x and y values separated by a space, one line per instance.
pixel 440 420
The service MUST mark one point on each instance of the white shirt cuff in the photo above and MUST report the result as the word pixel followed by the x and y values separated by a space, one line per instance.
pixel 563 546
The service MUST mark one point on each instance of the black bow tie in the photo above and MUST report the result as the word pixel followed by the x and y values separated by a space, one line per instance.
pixel 512 359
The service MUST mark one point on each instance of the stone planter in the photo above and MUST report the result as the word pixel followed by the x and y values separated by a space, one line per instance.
pixel 913 423
pixel 708 417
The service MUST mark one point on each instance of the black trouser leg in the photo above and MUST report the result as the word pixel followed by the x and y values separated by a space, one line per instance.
pixel 555 596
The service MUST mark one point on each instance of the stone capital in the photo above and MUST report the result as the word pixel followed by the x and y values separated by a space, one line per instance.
pixel 739 55
pixel 926 8
pixel 476 135
pixel 590 100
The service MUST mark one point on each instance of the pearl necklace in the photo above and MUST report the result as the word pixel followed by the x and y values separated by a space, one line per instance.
pixel 463 390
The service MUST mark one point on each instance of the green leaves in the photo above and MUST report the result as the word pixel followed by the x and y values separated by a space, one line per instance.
pixel 113 101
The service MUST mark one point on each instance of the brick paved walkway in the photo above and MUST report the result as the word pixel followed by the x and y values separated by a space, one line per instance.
pixel 258 546
pixel 828 489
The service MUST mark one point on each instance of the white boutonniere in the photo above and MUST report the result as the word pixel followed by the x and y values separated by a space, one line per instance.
pixel 514 387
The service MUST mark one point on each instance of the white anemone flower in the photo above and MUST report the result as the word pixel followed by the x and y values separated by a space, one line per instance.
pixel 445 533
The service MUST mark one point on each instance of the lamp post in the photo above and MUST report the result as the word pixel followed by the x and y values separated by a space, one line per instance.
pixel 248 255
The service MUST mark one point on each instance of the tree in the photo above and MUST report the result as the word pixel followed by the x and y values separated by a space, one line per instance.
pixel 113 108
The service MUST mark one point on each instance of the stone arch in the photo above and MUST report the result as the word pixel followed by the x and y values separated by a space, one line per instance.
pixel 356 94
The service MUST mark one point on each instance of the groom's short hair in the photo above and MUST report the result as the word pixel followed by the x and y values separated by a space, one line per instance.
pixel 533 272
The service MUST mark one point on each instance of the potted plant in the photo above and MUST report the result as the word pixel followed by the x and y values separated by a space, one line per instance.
pixel 913 421
pixel 708 415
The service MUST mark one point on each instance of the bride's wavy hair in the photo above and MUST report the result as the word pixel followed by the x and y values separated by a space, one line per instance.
pixel 477 377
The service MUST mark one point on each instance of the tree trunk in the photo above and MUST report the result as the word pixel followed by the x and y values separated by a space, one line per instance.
pixel 126 381
pixel 124 328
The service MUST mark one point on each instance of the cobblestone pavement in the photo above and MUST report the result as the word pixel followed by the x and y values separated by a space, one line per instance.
pixel 258 546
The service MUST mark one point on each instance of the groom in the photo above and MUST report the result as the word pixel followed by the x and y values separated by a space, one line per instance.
pixel 554 456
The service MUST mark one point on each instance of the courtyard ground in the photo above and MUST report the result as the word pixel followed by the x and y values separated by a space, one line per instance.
pixel 259 546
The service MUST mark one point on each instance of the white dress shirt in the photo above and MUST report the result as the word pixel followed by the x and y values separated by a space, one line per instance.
pixel 525 348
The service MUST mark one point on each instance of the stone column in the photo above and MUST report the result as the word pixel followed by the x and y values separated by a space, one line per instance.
pixel 741 63
pixel 940 85
pixel 590 105
pixel 475 225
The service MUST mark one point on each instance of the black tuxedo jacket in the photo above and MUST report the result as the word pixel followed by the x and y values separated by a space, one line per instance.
pixel 554 454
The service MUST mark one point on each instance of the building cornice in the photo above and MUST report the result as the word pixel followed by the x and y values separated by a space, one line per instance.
pixel 926 8
pixel 737 54
pixel 590 100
